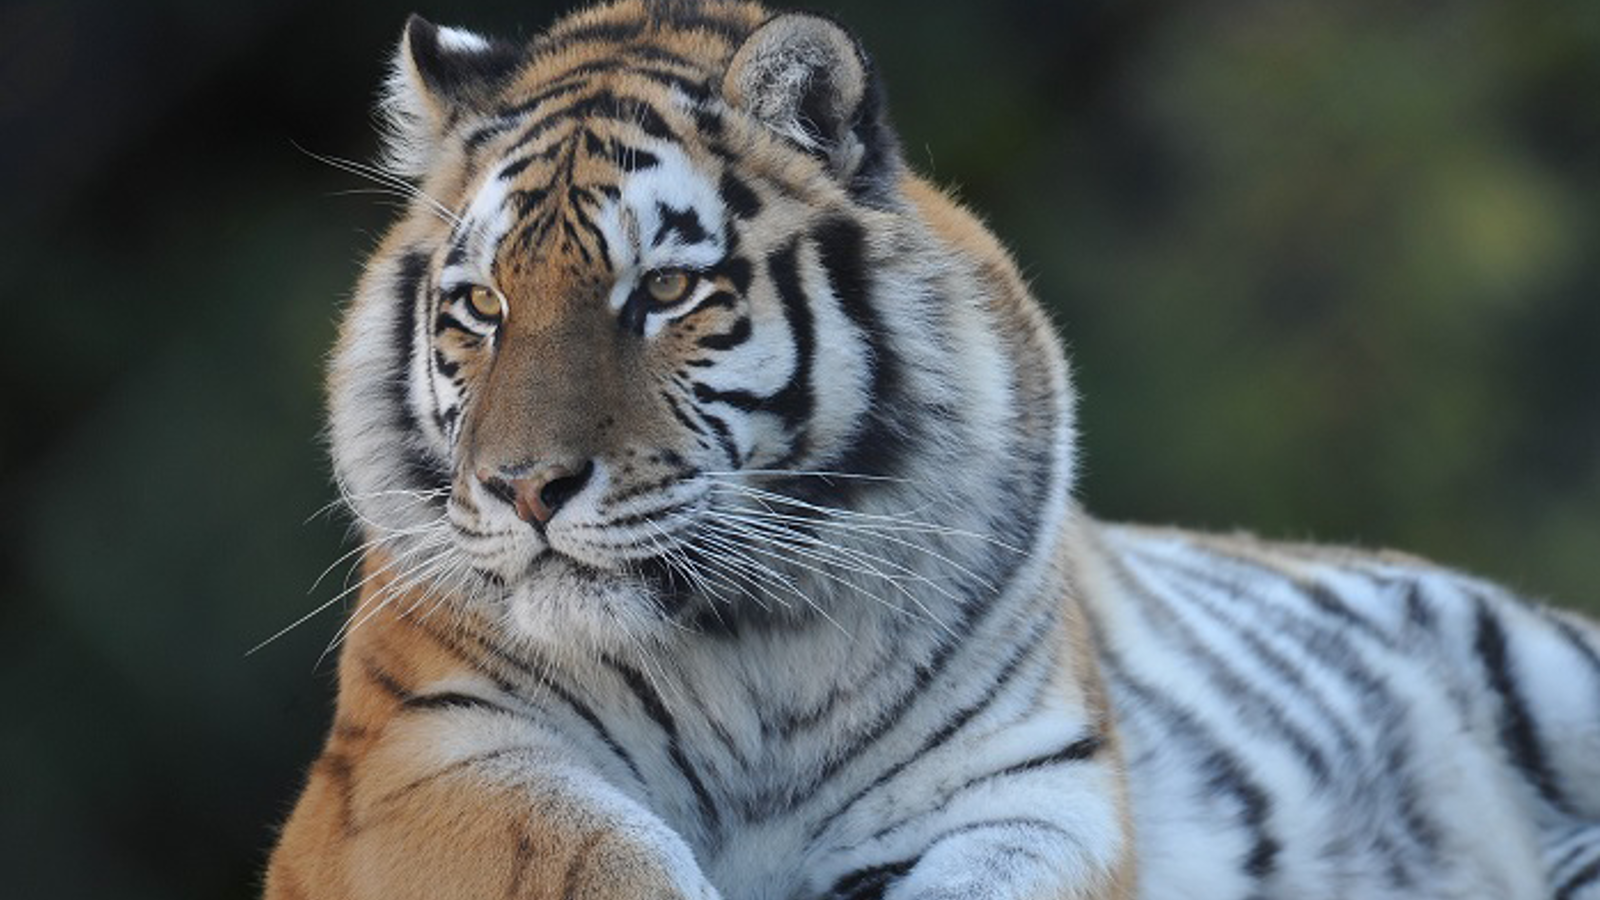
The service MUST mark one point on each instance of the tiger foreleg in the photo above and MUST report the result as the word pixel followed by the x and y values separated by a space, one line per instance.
pixel 511 818
pixel 1011 860
pixel 1034 831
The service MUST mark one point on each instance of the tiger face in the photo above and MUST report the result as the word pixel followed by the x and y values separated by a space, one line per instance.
pixel 637 293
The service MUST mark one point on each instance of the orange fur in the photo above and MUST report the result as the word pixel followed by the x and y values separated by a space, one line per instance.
pixel 389 812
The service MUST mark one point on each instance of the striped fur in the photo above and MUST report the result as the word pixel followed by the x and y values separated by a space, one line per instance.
pixel 775 588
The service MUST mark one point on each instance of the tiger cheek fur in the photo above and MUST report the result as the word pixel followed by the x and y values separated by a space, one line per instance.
pixel 715 473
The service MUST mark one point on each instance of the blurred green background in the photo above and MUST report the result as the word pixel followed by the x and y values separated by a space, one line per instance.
pixel 1329 270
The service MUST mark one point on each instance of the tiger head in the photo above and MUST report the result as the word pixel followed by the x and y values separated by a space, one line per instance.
pixel 667 325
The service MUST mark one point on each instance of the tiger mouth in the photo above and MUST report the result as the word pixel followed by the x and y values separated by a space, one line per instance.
pixel 667 584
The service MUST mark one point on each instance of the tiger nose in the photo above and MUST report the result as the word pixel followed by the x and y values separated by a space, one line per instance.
pixel 540 494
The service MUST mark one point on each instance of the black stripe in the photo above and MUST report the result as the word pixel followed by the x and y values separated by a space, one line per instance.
pixel 729 339
pixel 1573 855
pixel 386 682
pixel 514 168
pixel 685 223
pixel 574 242
pixel 923 675
pixel 869 883
pixel 1589 652
pixel 576 193
pixel 412 269
pixel 1011 822
pixel 1292 674
pixel 885 437
pixel 709 122
pixel 697 91
pixel 629 158
pixel 795 401
pixel 452 700
pixel 718 299
pixel 1318 593
pixel 485 133
pixel 681 17
pixel 534 670
pixel 1254 705
pixel 677 413
pixel 606 32
pixel 1224 772
pixel 1519 735
pixel 736 269
pixel 740 199
pixel 1086 747
pixel 447 322
pixel 659 54
pixel 560 86
pixel 656 710
pixel 1584 877
pixel 1030 822
pixel 539 127
pixel 1383 715
pixel 744 401
pixel 627 110
pixel 1418 612
pixel 420 468
pixel 451 769
pixel 1023 651
pixel 524 202
pixel 724 436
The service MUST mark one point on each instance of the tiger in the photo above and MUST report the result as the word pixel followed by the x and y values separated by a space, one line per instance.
pixel 715 473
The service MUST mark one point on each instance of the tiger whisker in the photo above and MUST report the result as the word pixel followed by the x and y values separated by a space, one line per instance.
pixel 331 601
pixel 387 179
pixel 370 544
pixel 678 559
pixel 864 558
pixel 892 521
pixel 457 576
pixel 742 569
pixel 734 556
pixel 807 473
pixel 405 581
pixel 345 499
pixel 763 546
pixel 386 596
pixel 874 533
pixel 821 554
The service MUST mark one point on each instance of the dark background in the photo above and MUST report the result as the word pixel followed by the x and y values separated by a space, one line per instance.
pixel 1328 269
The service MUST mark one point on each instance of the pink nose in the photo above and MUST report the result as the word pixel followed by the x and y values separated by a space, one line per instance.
pixel 537 497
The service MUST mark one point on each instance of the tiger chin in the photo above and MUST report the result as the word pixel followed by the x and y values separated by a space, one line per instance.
pixel 715 471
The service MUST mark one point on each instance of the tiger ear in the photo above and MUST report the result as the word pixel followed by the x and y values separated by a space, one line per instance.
pixel 437 75
pixel 806 78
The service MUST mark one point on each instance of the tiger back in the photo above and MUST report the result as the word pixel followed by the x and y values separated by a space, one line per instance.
pixel 715 472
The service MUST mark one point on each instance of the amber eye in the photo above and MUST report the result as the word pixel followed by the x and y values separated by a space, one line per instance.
pixel 668 286
pixel 485 303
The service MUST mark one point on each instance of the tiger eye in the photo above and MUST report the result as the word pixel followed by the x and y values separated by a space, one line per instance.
pixel 485 302
pixel 667 286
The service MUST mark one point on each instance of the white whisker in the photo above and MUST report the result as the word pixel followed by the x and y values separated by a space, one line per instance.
pixel 386 179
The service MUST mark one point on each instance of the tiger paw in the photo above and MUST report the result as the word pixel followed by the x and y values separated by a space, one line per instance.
pixel 616 865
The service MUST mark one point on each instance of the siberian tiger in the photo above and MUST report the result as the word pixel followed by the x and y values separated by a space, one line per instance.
pixel 716 473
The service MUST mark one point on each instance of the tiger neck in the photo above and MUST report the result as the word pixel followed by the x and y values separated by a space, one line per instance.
pixel 972 523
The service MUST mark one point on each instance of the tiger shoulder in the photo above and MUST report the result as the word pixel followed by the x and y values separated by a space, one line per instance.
pixel 716 477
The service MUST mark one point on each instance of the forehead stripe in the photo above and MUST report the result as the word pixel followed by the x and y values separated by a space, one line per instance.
pixel 603 104
pixel 685 223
